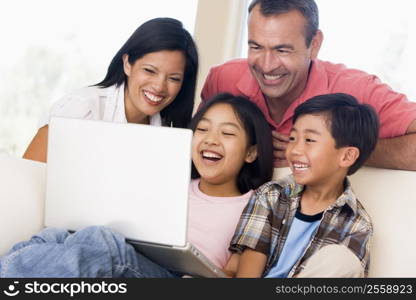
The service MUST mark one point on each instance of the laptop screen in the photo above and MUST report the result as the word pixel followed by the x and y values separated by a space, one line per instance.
pixel 132 178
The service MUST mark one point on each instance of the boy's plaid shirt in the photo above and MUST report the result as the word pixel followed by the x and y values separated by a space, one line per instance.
pixel 266 220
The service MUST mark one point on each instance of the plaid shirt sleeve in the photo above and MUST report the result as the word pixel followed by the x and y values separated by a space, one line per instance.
pixel 254 228
pixel 359 242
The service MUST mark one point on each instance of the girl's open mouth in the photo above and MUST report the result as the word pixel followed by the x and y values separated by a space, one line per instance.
pixel 211 156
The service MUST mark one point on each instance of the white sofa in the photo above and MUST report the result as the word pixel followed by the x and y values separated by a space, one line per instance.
pixel 387 195
pixel 389 198
pixel 22 194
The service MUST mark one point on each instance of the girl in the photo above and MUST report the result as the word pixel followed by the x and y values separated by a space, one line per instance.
pixel 151 80
pixel 232 155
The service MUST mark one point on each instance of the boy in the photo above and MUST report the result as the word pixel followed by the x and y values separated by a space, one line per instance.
pixel 310 224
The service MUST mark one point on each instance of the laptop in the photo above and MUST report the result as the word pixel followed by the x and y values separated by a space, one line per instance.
pixel 132 178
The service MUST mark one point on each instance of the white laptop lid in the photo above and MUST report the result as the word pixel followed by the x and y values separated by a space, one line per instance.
pixel 22 199
pixel 132 178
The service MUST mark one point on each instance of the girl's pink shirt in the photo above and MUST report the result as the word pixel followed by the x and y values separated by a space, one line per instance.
pixel 212 222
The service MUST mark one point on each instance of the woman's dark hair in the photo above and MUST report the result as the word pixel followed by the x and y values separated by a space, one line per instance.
pixel 157 35
pixel 350 123
pixel 258 131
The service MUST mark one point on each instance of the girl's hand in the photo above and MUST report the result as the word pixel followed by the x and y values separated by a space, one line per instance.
pixel 251 264
pixel 228 274
pixel 280 142
pixel 231 267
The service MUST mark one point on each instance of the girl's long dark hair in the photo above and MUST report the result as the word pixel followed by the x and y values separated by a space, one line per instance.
pixel 252 175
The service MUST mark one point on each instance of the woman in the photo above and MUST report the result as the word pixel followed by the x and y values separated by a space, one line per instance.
pixel 151 80
pixel 232 156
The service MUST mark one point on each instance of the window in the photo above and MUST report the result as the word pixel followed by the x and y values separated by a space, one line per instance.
pixel 52 47
pixel 375 36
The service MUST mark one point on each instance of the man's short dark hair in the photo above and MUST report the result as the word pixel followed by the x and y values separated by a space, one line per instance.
pixel 307 8
pixel 350 123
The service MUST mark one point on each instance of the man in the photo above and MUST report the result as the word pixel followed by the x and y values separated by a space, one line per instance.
pixel 282 71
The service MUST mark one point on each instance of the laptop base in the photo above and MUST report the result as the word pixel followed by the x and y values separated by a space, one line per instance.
pixel 186 260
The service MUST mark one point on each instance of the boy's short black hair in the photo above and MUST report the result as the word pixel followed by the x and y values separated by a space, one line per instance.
pixel 350 123
pixel 252 175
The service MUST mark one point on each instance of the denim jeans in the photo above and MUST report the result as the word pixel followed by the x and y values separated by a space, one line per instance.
pixel 92 252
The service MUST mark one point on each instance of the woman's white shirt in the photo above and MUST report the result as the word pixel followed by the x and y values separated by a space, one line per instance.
pixel 93 103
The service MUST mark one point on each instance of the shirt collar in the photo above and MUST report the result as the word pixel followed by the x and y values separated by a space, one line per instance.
pixel 317 83
pixel 156 120
pixel 114 104
pixel 249 87
pixel 117 99
pixel 248 84
pixel 292 190
pixel 347 198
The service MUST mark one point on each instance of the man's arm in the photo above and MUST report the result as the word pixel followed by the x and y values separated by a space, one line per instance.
pixel 396 153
